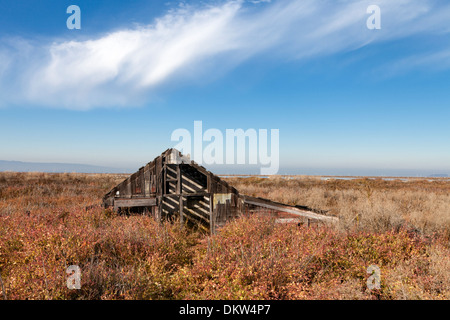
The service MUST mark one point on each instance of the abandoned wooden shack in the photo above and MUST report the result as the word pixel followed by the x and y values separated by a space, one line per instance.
pixel 174 186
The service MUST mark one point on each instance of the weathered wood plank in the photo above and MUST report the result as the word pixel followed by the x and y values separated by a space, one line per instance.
pixel 122 203
pixel 194 214
pixel 288 209
pixel 291 220
pixel 179 179
pixel 181 211
pixel 212 219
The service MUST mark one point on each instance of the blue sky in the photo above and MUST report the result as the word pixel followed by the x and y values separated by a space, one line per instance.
pixel 345 98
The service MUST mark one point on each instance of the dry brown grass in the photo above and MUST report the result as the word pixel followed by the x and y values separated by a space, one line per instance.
pixel 37 191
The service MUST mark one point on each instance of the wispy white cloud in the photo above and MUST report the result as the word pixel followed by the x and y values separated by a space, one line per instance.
pixel 430 61
pixel 127 67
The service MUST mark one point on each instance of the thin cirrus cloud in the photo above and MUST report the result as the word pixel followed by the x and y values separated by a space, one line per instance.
pixel 127 67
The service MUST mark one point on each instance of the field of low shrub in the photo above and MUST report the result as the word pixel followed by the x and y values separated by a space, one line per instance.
pixel 45 227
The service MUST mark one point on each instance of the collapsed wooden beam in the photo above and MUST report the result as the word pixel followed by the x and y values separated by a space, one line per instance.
pixel 265 203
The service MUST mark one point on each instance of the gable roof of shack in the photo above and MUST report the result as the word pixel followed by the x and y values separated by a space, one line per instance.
pixel 173 156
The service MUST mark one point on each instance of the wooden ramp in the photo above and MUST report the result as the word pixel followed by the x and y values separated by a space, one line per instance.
pixel 291 211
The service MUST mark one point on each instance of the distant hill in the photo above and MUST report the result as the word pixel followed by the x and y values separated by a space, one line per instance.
pixel 20 166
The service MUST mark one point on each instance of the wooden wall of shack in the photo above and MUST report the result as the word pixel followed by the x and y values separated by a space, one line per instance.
pixel 173 186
